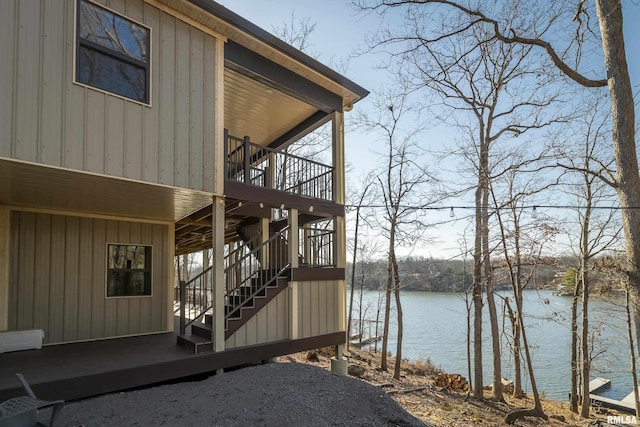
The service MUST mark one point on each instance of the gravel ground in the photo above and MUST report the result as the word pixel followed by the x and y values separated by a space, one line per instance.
pixel 276 394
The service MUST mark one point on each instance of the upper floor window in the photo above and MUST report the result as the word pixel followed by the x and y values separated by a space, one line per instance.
pixel 112 52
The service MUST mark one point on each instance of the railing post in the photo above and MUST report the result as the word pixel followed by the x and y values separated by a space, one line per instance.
pixel 226 154
pixel 247 157
pixel 183 297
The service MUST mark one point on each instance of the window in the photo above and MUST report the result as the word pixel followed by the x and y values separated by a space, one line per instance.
pixel 128 270
pixel 112 52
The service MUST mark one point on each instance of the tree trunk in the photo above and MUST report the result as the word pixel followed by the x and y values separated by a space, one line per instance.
pixel 632 354
pixel 477 304
pixel 586 357
pixel 517 357
pixel 537 410
pixel 573 394
pixel 623 120
pixel 396 291
pixel 385 327
pixel 495 341
pixel 387 308
pixel 353 279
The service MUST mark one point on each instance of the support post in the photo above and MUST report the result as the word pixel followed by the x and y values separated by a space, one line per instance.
pixel 246 146
pixel 292 255
pixel 5 217
pixel 217 240
pixel 339 365
pixel 183 295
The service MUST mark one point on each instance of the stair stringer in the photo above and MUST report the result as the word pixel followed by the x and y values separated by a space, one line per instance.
pixel 259 303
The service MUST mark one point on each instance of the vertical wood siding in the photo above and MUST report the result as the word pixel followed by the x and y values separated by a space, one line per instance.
pixel 319 308
pixel 46 118
pixel 58 278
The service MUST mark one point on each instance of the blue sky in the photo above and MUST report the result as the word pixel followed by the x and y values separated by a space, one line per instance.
pixel 339 31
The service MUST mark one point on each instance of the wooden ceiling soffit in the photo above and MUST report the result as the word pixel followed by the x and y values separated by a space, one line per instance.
pixel 257 67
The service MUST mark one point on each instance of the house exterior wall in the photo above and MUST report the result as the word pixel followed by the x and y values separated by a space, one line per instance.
pixel 57 278
pixel 319 308
pixel 46 118
pixel 270 324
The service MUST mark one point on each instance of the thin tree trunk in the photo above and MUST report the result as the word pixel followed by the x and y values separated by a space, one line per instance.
pixel 387 308
pixel 495 341
pixel 353 278
pixel 396 291
pixel 632 354
pixel 517 357
pixel 537 410
pixel 573 394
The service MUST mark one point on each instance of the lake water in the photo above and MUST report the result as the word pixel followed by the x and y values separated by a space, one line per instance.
pixel 435 328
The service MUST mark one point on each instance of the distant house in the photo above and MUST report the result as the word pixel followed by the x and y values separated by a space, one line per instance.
pixel 136 131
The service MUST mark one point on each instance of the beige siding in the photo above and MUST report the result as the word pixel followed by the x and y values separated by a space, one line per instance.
pixel 46 118
pixel 319 310
pixel 58 278
pixel 270 324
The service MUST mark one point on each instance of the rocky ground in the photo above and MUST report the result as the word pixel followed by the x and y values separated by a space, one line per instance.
pixel 299 390
pixel 417 393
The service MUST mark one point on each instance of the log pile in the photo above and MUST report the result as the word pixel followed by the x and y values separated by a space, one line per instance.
pixel 454 382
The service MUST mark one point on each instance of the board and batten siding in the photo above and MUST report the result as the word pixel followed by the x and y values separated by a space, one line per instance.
pixel 319 308
pixel 57 278
pixel 46 118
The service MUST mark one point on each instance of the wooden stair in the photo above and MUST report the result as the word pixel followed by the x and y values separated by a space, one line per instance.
pixel 239 309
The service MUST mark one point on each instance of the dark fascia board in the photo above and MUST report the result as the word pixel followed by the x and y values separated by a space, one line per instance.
pixel 274 42
pixel 311 123
pixel 249 63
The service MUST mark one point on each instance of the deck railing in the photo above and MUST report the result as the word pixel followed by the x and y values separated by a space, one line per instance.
pixel 317 248
pixel 254 164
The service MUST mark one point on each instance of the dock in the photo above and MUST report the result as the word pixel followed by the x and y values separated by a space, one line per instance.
pixel 366 341
pixel 598 385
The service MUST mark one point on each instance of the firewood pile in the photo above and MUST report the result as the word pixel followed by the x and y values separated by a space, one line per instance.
pixel 454 382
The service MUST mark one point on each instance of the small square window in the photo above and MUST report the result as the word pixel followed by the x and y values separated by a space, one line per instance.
pixel 112 52
pixel 128 270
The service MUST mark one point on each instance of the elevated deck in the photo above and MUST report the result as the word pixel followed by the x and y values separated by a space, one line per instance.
pixel 80 370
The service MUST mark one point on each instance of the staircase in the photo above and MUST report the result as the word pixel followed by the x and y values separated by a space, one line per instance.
pixel 248 288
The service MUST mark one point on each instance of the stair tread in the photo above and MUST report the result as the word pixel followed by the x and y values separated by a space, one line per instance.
pixel 195 339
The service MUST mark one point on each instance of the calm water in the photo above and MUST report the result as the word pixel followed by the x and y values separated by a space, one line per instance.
pixel 435 328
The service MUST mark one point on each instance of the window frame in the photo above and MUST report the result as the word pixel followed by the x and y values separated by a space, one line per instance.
pixel 148 270
pixel 116 56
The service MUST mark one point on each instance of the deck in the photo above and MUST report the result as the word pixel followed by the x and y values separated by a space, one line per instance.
pixel 80 370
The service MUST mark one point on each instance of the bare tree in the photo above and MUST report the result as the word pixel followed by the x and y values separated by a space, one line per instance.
pixel 523 243
pixel 599 230
pixel 534 30
pixel 366 186
pixel 404 186
pixel 495 87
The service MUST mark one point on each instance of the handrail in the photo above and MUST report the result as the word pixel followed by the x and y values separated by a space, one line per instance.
pixel 196 298
pixel 262 166
pixel 248 276
pixel 245 277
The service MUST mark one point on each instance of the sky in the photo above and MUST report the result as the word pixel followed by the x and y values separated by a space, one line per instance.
pixel 339 32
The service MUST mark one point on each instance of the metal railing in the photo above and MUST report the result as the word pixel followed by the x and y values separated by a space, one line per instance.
pixel 249 274
pixel 317 248
pixel 195 297
pixel 254 164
